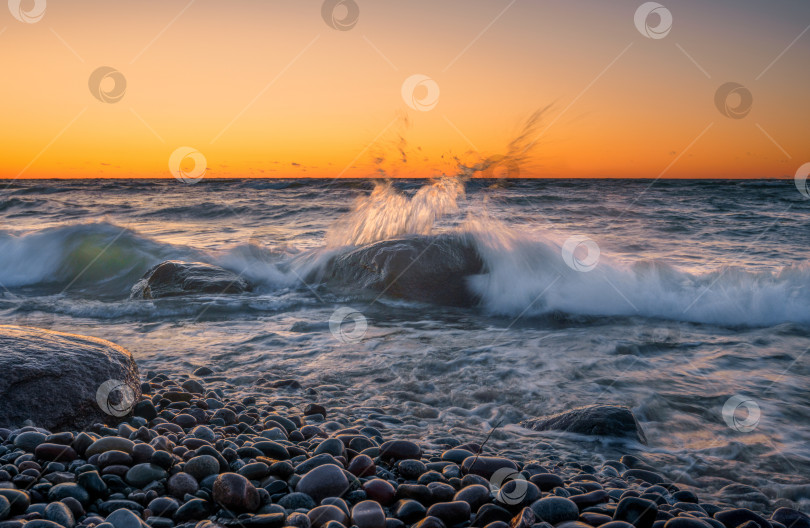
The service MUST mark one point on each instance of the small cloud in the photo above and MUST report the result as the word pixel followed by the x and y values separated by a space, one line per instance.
pixel 294 164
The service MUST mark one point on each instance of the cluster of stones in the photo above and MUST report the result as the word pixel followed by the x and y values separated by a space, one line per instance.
pixel 191 457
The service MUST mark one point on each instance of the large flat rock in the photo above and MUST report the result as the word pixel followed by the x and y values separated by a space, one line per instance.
pixel 592 420
pixel 61 381
pixel 433 269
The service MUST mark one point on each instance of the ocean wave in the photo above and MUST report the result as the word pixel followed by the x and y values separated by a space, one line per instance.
pixel 530 276
pixel 480 264
pixel 99 255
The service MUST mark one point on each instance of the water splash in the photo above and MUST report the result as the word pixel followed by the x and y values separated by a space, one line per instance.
pixel 387 213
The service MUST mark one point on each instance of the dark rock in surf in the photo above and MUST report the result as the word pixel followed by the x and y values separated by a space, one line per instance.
pixel 173 278
pixel 431 269
pixel 592 420
pixel 56 379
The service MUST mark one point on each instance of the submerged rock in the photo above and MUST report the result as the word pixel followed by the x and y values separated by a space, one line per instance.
pixel 592 420
pixel 61 381
pixel 173 278
pixel 431 269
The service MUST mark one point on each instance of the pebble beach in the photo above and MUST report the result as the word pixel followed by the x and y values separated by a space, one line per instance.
pixel 191 456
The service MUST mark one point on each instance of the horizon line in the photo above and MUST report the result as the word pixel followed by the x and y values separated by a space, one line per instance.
pixel 377 178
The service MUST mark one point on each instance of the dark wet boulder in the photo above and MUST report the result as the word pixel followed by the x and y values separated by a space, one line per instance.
pixel 63 381
pixel 433 269
pixel 592 420
pixel 173 278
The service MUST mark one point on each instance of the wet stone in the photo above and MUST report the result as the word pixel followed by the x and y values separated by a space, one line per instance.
pixel 381 491
pixel 142 474
pixel 201 466
pixel 296 501
pixel 59 513
pixel 362 466
pixel 321 515
pixel 400 450
pixel 411 469
pixel 450 513
pixel 61 491
pixel 323 481
pixel 124 518
pixel 181 484
pixel 235 492
pixel 486 466
pixel 409 511
pixel 555 510
pixel 736 517
pixel 639 512
pixel 163 506
pixel 430 522
pixel 368 514
pixel 475 495
pixel 193 509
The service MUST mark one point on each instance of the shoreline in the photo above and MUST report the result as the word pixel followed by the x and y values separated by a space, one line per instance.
pixel 191 456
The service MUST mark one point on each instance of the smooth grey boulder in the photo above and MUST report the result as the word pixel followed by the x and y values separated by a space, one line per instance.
pixel 592 420
pixel 173 278
pixel 433 269
pixel 61 381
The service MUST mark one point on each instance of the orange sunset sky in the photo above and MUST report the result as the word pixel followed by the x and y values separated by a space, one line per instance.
pixel 297 88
